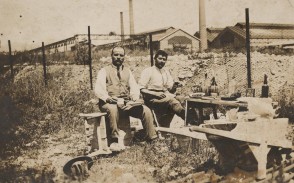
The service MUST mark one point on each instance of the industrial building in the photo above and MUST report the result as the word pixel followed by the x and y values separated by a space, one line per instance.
pixel 261 35
pixel 70 44
pixel 164 38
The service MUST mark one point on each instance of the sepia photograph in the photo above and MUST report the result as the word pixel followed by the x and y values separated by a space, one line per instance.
pixel 126 91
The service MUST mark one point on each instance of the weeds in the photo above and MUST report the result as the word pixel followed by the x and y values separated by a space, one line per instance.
pixel 286 103
pixel 30 110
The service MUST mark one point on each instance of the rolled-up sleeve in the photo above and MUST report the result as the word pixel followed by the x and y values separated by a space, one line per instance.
pixel 100 85
pixel 144 78
pixel 134 88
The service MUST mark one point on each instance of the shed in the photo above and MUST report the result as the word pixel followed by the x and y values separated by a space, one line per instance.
pixel 173 39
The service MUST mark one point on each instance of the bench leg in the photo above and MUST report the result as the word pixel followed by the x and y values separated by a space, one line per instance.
pixel 96 136
pixel 89 137
pixel 101 137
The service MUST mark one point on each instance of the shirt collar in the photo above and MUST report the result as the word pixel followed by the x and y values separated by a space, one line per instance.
pixel 121 67
pixel 162 69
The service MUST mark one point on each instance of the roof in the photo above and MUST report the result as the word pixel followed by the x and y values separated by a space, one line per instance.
pixel 174 31
pixel 265 25
pixel 211 33
pixel 158 37
pixel 256 32
pixel 272 33
pixel 156 31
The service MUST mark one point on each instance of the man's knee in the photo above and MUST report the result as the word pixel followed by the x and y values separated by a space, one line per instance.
pixel 173 101
pixel 110 108
pixel 146 110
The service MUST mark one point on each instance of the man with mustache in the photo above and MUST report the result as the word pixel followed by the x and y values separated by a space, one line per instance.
pixel 117 90
pixel 157 87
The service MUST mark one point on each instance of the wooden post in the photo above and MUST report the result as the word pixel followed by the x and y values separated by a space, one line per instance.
pixel 151 49
pixel 44 63
pixel 248 48
pixel 10 59
pixel 90 57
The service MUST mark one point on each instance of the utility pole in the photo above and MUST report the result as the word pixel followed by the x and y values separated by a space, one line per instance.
pixel 248 48
pixel 90 57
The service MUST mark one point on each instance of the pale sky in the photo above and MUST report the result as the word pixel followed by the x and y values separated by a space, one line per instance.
pixel 29 22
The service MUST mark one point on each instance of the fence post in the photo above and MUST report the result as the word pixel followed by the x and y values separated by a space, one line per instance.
pixel 44 63
pixel 248 48
pixel 151 49
pixel 90 57
pixel 10 59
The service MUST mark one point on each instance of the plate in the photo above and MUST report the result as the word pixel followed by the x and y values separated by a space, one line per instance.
pixel 196 95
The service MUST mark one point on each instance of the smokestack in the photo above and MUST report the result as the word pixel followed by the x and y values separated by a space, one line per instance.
pixel 131 13
pixel 202 26
pixel 122 25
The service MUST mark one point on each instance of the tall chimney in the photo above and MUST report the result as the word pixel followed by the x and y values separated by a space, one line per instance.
pixel 131 13
pixel 122 26
pixel 202 26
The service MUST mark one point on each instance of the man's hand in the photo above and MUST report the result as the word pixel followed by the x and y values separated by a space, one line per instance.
pixel 111 100
pixel 160 95
pixel 177 84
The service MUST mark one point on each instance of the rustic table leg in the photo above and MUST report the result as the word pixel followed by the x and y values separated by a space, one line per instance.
pixel 214 111
pixel 260 152
pixel 186 112
pixel 200 115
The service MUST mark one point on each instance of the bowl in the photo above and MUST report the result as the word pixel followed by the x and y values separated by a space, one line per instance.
pixel 252 117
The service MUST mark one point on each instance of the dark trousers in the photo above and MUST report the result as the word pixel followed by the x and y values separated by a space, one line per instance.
pixel 165 109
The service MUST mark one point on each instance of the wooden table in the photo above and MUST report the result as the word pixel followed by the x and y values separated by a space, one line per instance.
pixel 200 104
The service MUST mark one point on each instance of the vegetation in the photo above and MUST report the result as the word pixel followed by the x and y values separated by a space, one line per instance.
pixel 29 110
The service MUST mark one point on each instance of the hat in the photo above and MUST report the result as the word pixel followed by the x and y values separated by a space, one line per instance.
pixel 68 165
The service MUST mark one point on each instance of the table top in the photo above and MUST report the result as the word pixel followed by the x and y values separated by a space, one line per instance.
pixel 213 101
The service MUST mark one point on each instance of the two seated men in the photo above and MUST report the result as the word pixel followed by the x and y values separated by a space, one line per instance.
pixel 117 90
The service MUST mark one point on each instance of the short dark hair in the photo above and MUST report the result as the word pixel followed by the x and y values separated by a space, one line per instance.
pixel 117 47
pixel 160 52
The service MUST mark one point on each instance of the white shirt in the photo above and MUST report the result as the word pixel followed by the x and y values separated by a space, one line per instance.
pixel 153 78
pixel 100 86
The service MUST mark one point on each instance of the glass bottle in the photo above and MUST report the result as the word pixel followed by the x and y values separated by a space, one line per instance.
pixel 206 87
pixel 264 88
pixel 213 86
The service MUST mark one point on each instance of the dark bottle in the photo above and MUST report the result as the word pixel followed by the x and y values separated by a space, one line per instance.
pixel 213 86
pixel 206 87
pixel 264 88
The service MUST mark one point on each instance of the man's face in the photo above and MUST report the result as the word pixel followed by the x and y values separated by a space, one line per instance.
pixel 118 56
pixel 160 61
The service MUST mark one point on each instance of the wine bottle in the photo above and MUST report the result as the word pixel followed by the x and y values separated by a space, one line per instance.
pixel 264 88
pixel 213 87
pixel 206 88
